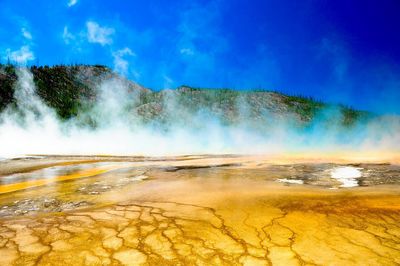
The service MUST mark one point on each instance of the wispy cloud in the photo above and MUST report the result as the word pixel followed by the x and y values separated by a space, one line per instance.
pixel 186 51
pixel 72 3
pixel 27 35
pixel 99 34
pixel 120 63
pixel 67 35
pixel 24 54
pixel 21 56
pixel 168 82
pixel 200 42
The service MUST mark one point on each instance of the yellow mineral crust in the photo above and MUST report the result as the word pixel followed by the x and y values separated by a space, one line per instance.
pixel 199 218
pixel 291 230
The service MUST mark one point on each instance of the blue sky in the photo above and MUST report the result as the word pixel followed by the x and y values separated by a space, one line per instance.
pixel 336 51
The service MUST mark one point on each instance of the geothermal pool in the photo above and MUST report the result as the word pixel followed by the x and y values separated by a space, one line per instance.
pixel 198 210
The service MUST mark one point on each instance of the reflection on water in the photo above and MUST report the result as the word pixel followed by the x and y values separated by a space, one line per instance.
pixel 48 176
pixel 201 211
pixel 49 172
pixel 290 181
pixel 348 175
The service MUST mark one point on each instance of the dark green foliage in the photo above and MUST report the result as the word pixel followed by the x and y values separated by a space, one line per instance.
pixel 71 90
pixel 64 88
pixel 149 97
pixel 196 98
pixel 306 107
pixel 57 87
pixel 351 116
pixel 7 82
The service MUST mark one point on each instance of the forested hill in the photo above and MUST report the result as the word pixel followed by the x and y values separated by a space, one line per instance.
pixel 70 90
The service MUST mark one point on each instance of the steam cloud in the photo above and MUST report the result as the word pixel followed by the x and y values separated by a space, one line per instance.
pixel 34 128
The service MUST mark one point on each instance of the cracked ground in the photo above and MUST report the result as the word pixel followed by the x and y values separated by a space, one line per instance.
pixel 144 213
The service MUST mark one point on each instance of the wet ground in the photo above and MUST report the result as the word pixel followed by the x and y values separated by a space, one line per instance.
pixel 198 210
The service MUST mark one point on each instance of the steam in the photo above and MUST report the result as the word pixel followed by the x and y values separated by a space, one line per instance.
pixel 31 127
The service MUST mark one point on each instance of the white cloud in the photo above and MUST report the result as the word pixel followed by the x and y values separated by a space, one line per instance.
pixel 27 35
pixel 98 34
pixel 21 56
pixel 120 63
pixel 67 36
pixel 72 2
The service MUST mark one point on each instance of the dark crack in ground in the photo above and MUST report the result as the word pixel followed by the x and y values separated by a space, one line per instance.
pixel 170 233
pixel 194 214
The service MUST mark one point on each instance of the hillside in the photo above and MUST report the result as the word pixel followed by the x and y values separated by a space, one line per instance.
pixel 71 90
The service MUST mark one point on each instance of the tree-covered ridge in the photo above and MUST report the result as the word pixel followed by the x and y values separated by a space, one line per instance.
pixel 69 90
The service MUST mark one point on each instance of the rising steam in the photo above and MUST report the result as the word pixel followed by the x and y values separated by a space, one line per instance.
pixel 31 127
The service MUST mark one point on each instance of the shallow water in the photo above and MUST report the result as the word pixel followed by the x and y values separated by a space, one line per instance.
pixel 201 210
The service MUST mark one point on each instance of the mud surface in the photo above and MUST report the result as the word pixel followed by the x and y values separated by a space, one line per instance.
pixel 200 210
